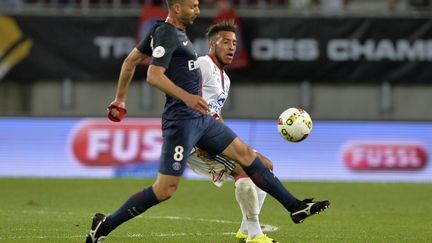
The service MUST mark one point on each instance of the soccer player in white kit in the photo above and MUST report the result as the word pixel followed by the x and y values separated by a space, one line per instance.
pixel 215 89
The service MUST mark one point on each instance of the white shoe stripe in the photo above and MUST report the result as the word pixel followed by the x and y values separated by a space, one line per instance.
pixel 306 210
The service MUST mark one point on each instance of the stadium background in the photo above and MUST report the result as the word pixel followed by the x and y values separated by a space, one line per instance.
pixel 344 66
pixel 362 72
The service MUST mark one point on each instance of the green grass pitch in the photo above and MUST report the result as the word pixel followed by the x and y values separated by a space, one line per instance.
pixel 60 210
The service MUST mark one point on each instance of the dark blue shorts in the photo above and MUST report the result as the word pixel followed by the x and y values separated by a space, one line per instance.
pixel 180 136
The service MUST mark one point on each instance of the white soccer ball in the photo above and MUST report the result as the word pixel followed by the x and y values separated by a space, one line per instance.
pixel 294 124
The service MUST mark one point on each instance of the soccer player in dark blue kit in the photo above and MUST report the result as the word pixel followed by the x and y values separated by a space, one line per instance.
pixel 185 123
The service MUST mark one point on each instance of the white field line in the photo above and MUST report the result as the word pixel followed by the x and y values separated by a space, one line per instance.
pixel 265 227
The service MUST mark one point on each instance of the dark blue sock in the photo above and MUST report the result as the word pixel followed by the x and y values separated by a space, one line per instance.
pixel 135 205
pixel 267 181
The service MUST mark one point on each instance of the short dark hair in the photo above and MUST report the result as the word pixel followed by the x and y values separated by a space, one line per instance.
pixel 225 25
pixel 169 3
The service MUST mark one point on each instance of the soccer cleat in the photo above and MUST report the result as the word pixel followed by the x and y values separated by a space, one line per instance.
pixel 241 237
pixel 262 239
pixel 307 208
pixel 94 236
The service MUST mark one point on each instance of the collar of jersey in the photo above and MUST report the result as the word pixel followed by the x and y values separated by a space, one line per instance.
pixel 214 61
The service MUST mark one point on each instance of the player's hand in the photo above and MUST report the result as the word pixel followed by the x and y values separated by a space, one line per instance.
pixel 199 152
pixel 197 103
pixel 116 111
pixel 202 154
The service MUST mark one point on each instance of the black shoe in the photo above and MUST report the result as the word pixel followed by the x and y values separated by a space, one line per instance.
pixel 308 208
pixel 94 236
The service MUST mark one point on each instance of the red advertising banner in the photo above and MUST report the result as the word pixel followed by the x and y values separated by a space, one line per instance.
pixel 97 143
pixel 363 156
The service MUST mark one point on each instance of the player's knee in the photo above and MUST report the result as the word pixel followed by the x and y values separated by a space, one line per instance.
pixel 164 192
pixel 270 166
pixel 266 162
pixel 245 186
pixel 245 154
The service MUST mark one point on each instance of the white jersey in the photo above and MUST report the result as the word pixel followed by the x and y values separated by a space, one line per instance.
pixel 215 84
pixel 215 88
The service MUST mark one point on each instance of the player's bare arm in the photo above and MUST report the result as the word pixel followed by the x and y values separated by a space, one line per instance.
pixel 127 71
pixel 157 78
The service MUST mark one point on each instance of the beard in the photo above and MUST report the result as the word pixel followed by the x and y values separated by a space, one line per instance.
pixel 187 21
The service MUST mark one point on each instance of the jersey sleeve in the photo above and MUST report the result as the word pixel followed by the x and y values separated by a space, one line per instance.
pixel 164 45
pixel 144 46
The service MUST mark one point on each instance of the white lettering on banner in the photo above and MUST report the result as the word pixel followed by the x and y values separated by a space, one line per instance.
pixel 125 148
pixel 114 47
pixel 379 50
pixel 124 145
pixel 152 144
pixel 285 49
pixel 337 50
pixel 262 49
pixel 98 143
pixel 386 158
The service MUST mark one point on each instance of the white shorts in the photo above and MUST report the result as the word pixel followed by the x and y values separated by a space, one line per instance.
pixel 218 169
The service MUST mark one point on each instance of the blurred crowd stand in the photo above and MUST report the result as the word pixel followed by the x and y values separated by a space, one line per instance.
pixel 323 6
pixel 414 5
pixel 256 7
pixel 10 4
pixel 331 6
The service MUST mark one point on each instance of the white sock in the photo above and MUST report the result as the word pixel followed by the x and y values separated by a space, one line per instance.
pixel 247 198
pixel 261 197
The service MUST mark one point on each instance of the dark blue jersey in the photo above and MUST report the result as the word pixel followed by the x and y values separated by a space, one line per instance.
pixel 170 48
